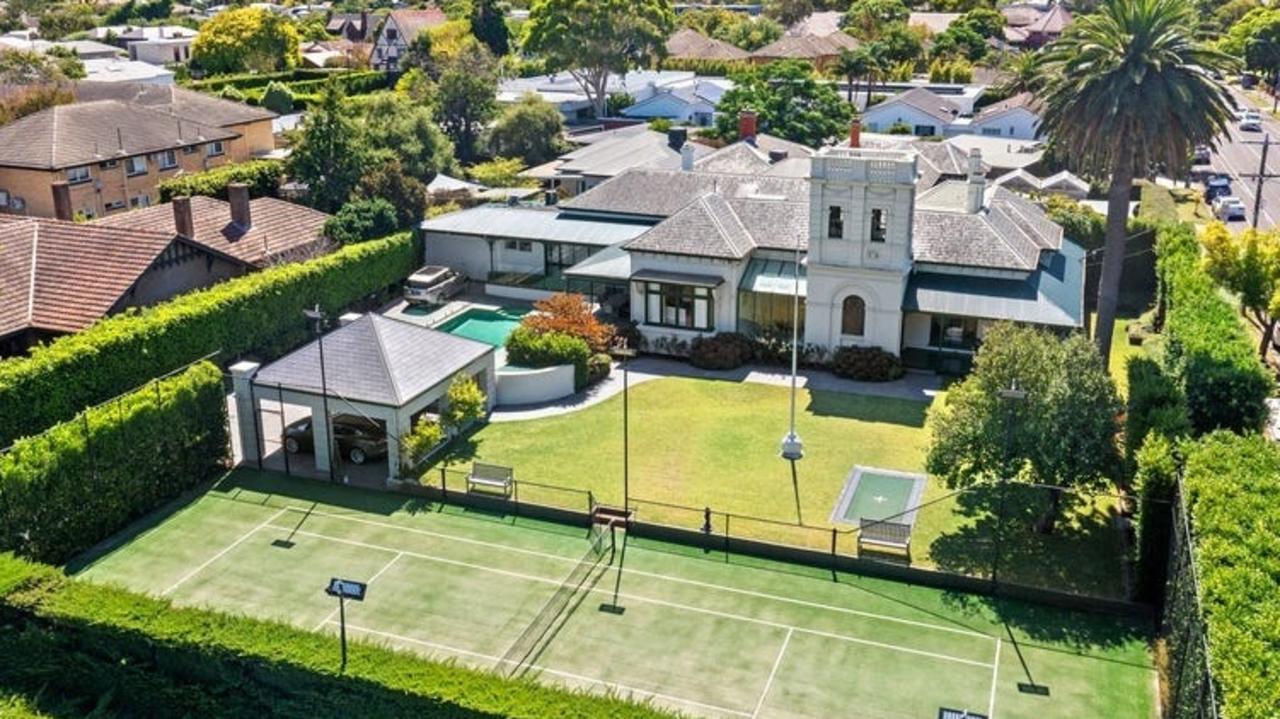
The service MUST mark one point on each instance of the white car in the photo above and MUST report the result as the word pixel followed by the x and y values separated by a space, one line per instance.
pixel 1229 209
pixel 1251 121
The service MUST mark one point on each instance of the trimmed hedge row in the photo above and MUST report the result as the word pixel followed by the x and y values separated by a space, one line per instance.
pixel 1233 498
pixel 156 660
pixel 259 313
pixel 65 490
pixel 262 177
pixel 245 80
pixel 1206 348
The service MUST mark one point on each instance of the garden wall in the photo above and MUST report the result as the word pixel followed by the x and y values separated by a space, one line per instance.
pixel 520 386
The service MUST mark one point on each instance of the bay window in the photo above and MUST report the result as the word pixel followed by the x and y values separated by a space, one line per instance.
pixel 680 306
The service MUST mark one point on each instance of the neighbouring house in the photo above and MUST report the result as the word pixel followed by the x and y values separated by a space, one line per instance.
pixel 1018 117
pixel 1034 24
pixel 818 50
pixel 58 277
pixel 351 26
pixel 330 53
pixel 691 104
pixel 688 95
pixel 126 71
pixel 935 22
pixel 124 36
pixel 398 29
pixel 922 273
pixel 918 111
pixel 612 152
pixel 690 45
pixel 84 49
pixel 1061 183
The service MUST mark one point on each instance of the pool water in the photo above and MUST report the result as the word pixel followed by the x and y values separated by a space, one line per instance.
pixel 483 325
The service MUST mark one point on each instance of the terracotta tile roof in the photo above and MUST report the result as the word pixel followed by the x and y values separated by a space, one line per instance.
pixel 689 44
pixel 806 47
pixel 278 227
pixel 174 100
pixel 63 276
pixel 87 132
pixel 412 22
pixel 1052 22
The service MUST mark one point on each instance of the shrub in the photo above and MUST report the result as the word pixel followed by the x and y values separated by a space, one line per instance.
pixel 598 367
pixel 84 479
pixel 501 172
pixel 727 350
pixel 277 98
pixel 418 443
pixel 232 93
pixel 262 177
pixel 157 660
pixel 900 128
pixel 1156 482
pixel 1155 405
pixel 527 347
pixel 570 314
pixel 361 220
pixel 866 364
pixel 465 403
pixel 259 313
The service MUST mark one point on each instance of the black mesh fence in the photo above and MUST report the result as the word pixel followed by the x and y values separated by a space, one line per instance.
pixel 1187 666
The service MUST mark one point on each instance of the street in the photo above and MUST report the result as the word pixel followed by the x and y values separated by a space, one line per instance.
pixel 1239 153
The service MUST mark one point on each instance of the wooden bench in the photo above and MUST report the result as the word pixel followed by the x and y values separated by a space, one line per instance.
pixel 881 534
pixel 490 478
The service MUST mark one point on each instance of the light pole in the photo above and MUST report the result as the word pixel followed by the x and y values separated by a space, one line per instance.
pixel 317 315
pixel 792 446
pixel 625 353
pixel 1011 396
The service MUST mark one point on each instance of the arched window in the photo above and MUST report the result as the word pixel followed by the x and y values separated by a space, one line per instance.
pixel 853 316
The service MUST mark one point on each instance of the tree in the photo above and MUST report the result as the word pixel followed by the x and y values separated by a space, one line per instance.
pixel 1022 74
pixel 899 44
pixel 394 126
pixel 417 443
pixel 983 20
pixel 464 403
pixel 530 129
pixel 959 41
pixel 466 98
pixel 570 314
pixel 60 21
pixel 866 19
pixel 592 39
pixel 789 102
pixel 500 172
pixel 277 98
pixel 749 34
pixel 1247 264
pixel 244 39
pixel 362 220
pixel 330 155
pixel 1127 89
pixel 489 25
pixel 788 12
pixel 407 195
pixel 1063 433
pixel 1081 224
pixel 852 65
pixel 1258 25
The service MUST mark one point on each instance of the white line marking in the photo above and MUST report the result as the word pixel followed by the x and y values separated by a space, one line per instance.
pixel 546 670
pixel 650 600
pixel 652 575
pixel 995 676
pixel 267 522
pixel 372 579
pixel 777 662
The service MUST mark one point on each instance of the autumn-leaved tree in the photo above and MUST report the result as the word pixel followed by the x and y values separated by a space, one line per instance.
pixel 246 38
pixel 1063 433
pixel 1247 264
pixel 569 314
pixel 590 39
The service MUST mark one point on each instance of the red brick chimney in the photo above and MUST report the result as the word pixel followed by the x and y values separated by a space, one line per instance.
pixel 238 195
pixel 855 134
pixel 183 222
pixel 747 126
pixel 62 201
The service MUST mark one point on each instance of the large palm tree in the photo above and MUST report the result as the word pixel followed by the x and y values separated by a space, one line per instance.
pixel 1126 90
pixel 851 65
pixel 1021 73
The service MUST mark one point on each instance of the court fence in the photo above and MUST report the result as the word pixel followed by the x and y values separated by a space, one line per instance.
pixel 1187 665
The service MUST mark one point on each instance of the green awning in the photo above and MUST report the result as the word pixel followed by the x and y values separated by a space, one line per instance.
pixel 773 277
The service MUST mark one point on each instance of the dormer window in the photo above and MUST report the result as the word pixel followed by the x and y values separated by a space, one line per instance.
pixel 835 223
pixel 879 226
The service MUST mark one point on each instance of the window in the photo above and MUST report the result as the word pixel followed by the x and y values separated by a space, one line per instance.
pixel 140 201
pixel 953 332
pixel 926 130
pixel 189 150
pixel 136 165
pixel 108 164
pixel 679 306
pixel 77 175
pixel 520 245
pixel 88 213
pixel 114 205
pixel 835 223
pixel 879 226
pixel 392 35
pixel 216 148
pixel 991 131
pixel 853 316
pixel 167 159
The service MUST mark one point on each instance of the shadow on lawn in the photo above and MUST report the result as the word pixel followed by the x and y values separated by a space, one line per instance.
pixel 865 408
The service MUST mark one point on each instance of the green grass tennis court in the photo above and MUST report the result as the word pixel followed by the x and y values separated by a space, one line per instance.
pixel 705 634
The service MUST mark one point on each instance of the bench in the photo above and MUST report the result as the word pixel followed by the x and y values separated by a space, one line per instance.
pixel 490 478
pixel 881 534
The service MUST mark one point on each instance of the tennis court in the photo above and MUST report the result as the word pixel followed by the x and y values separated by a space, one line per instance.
pixel 702 633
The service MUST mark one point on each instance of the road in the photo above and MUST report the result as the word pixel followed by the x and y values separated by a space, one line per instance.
pixel 1238 155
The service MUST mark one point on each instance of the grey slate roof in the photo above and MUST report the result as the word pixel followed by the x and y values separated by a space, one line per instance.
pixel 1008 234
pixel 375 359
pixel 936 106
pixel 708 227
pixel 527 223
pixel 739 158
pixel 613 155
pixel 654 193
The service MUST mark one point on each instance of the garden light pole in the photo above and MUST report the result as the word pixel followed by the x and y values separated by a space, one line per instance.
pixel 317 315
pixel 1011 397
pixel 792 446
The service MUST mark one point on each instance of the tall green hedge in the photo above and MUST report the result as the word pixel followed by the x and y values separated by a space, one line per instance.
pixel 260 313
pixel 1155 404
pixel 84 479
pixel 1232 485
pixel 1206 347
pixel 156 660
pixel 529 348
pixel 1156 481
pixel 262 177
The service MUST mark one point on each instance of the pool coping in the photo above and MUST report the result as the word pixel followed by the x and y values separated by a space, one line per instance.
pixel 854 478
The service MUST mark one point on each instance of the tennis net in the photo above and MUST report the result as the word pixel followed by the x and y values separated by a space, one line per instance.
pixel 539 632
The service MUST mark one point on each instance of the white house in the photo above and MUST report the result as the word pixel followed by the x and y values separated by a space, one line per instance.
pixel 398 30
pixel 1017 118
pixel 922 112
pixel 693 102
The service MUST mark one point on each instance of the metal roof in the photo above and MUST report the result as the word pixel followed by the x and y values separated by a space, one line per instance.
pixel 542 225
pixel 679 278
pixel 612 263
pixel 773 277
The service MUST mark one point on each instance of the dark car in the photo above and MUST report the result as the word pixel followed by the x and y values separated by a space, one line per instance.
pixel 359 439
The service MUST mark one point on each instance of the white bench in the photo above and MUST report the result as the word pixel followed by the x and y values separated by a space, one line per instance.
pixel 490 478
pixel 880 534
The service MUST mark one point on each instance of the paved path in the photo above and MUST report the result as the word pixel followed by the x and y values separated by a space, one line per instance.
pixel 916 386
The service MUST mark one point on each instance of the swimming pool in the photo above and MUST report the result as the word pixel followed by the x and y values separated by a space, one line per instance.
pixel 485 325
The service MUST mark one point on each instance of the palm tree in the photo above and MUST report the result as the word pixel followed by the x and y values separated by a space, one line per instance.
pixel 1127 90
pixel 851 65
pixel 877 66
pixel 1022 73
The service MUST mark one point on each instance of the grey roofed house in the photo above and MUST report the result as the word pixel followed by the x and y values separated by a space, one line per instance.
pixel 531 223
pixel 936 106
pixel 707 227
pixel 1008 234
pixel 377 360
pixel 689 44
pixel 656 194
pixel 179 102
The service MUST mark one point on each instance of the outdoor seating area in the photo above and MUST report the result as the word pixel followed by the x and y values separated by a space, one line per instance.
pixel 490 478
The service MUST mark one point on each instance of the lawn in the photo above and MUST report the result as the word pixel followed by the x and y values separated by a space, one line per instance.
pixel 704 443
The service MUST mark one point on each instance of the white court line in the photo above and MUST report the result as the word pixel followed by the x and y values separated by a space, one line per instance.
pixel 652 575
pixel 649 600
pixel 372 579
pixel 995 677
pixel 772 673
pixel 546 670
pixel 226 549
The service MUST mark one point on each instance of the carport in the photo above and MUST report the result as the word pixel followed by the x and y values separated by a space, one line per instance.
pixel 383 370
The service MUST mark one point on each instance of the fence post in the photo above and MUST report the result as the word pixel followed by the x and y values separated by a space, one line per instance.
pixel 726 536
pixel 515 495
pixel 834 556
pixel 444 483
pixel 591 503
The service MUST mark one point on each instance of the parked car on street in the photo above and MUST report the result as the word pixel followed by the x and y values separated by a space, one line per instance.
pixel 359 439
pixel 1202 156
pixel 1216 186
pixel 1251 121
pixel 1229 209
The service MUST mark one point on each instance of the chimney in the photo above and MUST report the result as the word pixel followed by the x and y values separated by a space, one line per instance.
pixel 238 195
pixel 747 126
pixel 686 157
pixel 855 134
pixel 62 200
pixel 551 198
pixel 183 223
pixel 776 156
pixel 977 183
pixel 676 137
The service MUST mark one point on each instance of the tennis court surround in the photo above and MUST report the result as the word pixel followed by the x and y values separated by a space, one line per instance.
pixel 706 634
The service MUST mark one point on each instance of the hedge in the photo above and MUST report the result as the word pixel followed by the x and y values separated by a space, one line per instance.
pixel 156 660
pixel 530 348
pixel 82 481
pixel 1155 404
pixel 246 80
pixel 1156 483
pixel 1232 486
pixel 262 177
pixel 1207 350
pixel 260 313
